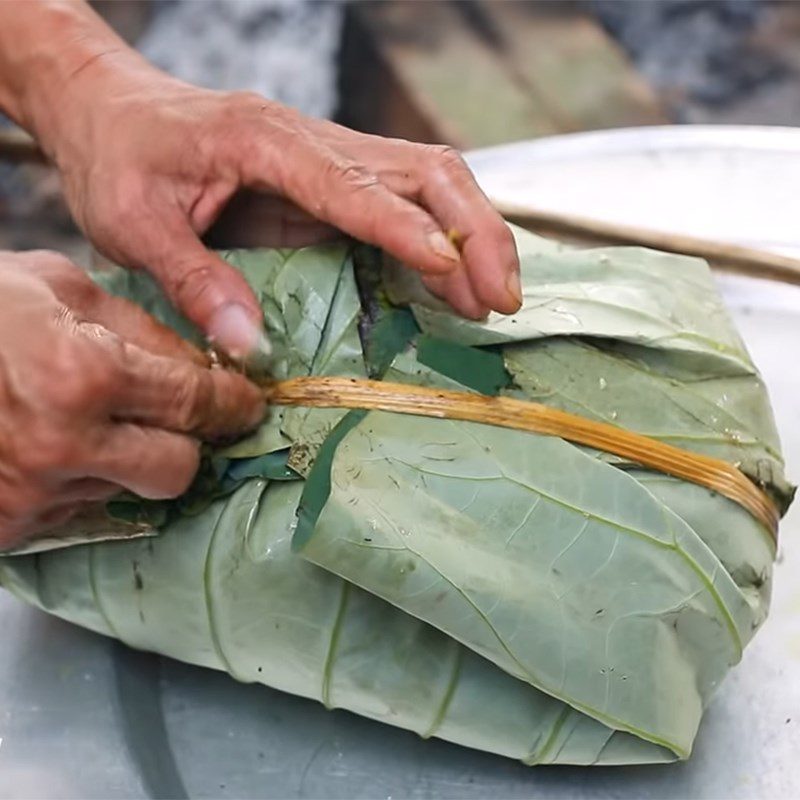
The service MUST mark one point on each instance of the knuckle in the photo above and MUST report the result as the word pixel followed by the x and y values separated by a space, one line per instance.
pixel 190 282
pixel 84 380
pixel 235 120
pixel 191 397
pixel 74 287
pixel 354 177
pixel 447 161
pixel 341 182
pixel 446 156
pixel 83 292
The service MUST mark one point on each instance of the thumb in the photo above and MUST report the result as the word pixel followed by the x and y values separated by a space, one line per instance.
pixel 211 293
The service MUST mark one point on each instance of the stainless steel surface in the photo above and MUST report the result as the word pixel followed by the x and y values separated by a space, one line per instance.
pixel 81 716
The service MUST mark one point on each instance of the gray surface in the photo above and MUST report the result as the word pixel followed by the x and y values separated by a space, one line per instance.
pixel 284 49
pixel 84 717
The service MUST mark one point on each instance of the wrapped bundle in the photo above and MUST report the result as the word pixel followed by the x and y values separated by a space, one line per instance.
pixel 573 595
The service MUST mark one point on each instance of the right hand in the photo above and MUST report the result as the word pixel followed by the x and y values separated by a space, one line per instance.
pixel 150 167
pixel 96 397
pixel 149 163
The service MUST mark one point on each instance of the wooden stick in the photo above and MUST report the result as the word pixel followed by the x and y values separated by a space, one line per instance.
pixel 18 148
pixel 722 255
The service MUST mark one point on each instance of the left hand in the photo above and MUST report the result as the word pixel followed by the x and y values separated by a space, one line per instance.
pixel 149 163
pixel 97 396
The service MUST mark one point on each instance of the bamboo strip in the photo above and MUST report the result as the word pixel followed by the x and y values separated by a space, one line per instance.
pixel 507 412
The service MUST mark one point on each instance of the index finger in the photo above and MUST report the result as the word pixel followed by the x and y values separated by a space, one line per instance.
pixel 180 396
pixel 211 293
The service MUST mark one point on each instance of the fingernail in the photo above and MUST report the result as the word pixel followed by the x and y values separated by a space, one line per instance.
pixel 259 362
pixel 514 287
pixel 263 345
pixel 234 330
pixel 443 247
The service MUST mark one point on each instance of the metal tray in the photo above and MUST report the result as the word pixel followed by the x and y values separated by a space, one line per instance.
pixel 81 716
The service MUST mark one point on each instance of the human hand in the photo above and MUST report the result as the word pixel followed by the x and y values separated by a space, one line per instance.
pixel 96 396
pixel 149 163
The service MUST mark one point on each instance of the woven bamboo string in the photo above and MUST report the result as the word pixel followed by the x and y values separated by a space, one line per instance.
pixel 507 412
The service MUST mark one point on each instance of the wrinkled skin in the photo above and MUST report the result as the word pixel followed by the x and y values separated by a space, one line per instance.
pixel 96 396
pixel 150 163
pixel 317 176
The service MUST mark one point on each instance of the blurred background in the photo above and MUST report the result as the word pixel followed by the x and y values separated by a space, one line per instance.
pixel 469 73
